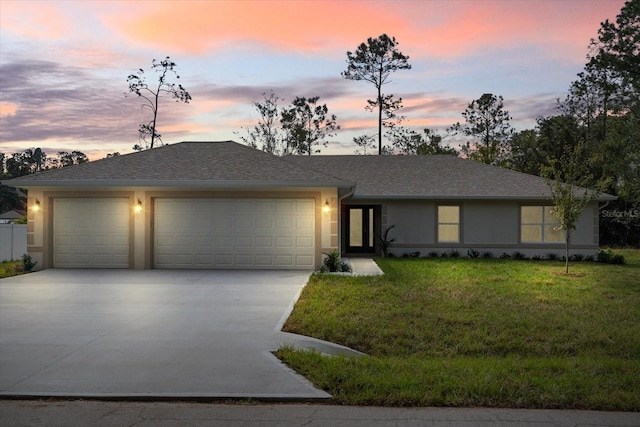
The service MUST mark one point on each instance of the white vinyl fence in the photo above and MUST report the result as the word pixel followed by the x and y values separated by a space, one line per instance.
pixel 13 241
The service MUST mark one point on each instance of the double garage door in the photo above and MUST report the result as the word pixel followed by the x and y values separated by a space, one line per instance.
pixel 234 233
pixel 188 233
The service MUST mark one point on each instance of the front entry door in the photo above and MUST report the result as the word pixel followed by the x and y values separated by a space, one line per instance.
pixel 360 229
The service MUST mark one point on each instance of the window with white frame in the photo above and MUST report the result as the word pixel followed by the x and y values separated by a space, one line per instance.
pixel 448 223
pixel 538 224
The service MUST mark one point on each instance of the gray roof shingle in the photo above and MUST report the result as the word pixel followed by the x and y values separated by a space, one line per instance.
pixel 434 177
pixel 185 164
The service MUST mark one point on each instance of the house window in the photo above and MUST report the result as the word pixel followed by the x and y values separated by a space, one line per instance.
pixel 539 225
pixel 448 224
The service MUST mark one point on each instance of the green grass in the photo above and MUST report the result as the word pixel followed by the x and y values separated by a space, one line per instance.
pixel 463 332
pixel 8 268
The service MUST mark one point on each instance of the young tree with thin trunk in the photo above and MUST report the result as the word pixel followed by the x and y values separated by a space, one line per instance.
pixel 151 94
pixel 374 61
pixel 565 177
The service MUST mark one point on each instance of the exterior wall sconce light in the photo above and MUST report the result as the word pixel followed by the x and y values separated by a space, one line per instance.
pixel 36 206
pixel 326 208
pixel 138 207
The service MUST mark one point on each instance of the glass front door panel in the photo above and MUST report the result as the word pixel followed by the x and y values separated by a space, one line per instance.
pixel 355 228
pixel 361 229
pixel 370 228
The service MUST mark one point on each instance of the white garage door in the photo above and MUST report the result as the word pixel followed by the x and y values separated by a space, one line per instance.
pixel 234 233
pixel 91 233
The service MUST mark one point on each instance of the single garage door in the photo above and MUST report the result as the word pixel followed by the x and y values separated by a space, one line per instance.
pixel 234 233
pixel 91 233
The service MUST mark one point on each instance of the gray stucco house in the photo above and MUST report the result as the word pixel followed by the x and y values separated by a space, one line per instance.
pixel 225 205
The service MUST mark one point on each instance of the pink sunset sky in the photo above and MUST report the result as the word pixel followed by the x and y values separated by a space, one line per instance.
pixel 64 64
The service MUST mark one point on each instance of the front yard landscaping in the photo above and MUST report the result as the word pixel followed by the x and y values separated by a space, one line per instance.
pixel 10 268
pixel 477 332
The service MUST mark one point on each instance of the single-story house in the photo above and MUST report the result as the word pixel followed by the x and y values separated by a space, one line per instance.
pixel 225 205
pixel 11 216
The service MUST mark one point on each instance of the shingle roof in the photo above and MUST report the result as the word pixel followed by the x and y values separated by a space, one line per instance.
pixel 229 164
pixel 434 177
pixel 224 163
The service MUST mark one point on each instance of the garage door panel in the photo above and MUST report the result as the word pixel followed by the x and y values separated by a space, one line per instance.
pixel 304 223
pixel 286 206
pixel 244 233
pixel 264 261
pixel 284 223
pixel 304 242
pixel 265 207
pixel 244 242
pixel 264 242
pixel 305 260
pixel 91 233
pixel 284 242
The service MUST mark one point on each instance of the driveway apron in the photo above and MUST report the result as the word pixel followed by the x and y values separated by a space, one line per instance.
pixel 157 333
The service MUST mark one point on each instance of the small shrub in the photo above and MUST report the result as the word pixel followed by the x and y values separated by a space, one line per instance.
pixel 323 269
pixel 519 256
pixel 576 257
pixel 433 254
pixel 333 264
pixel 385 242
pixel 487 255
pixel 551 256
pixel 415 254
pixel 344 267
pixel 537 257
pixel 472 253
pixel 589 258
pixel 608 257
pixel 27 263
pixel 21 220
pixel 453 253
pixel 605 256
pixel 505 256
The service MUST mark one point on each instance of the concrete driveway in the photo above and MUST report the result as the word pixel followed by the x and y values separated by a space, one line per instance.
pixel 123 333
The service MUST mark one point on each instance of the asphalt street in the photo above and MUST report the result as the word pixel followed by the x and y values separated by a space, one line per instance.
pixel 53 413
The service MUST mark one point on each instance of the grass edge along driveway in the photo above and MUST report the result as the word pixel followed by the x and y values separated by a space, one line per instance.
pixel 468 332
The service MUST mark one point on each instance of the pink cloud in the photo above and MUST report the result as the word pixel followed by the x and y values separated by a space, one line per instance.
pixel 197 27
pixel 424 28
pixel 7 109
pixel 455 28
pixel 37 20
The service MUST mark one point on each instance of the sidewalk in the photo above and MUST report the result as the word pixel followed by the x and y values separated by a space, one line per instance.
pixel 106 414
pixel 364 267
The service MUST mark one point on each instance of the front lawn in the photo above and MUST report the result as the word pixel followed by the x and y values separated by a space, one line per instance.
pixel 470 332
pixel 10 268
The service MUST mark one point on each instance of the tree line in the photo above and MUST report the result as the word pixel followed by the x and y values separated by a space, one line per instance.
pixel 30 161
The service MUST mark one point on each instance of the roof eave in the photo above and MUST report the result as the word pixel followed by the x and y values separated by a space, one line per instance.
pixel 178 184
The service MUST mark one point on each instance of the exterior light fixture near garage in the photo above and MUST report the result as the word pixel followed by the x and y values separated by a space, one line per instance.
pixel 138 207
pixel 327 207
pixel 36 206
